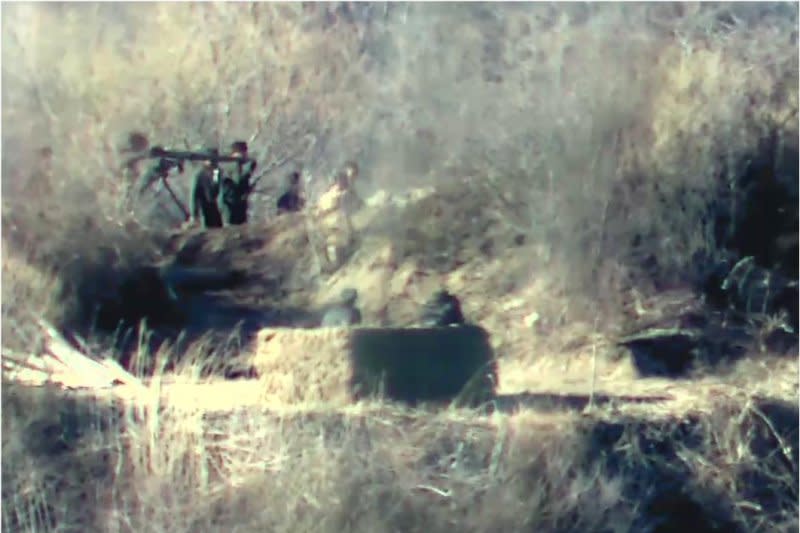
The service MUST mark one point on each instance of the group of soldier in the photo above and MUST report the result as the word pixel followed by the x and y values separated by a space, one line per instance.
pixel 441 310
pixel 220 196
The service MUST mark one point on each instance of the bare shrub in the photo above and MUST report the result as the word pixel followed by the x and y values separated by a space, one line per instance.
pixel 380 468
pixel 606 132
pixel 610 135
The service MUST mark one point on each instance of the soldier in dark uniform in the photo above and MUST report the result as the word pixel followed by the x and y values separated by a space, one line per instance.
pixel 235 188
pixel 292 200
pixel 443 309
pixel 205 194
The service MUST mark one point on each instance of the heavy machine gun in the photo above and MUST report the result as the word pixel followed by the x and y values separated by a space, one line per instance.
pixel 167 160
pixel 178 156
pixel 174 159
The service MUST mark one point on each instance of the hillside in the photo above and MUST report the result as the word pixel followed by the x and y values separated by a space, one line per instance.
pixel 578 175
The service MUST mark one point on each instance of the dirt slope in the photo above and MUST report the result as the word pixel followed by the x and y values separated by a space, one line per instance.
pixel 407 248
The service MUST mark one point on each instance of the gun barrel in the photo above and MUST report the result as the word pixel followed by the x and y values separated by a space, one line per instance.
pixel 195 156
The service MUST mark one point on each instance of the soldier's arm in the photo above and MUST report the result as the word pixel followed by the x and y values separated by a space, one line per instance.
pixel 244 174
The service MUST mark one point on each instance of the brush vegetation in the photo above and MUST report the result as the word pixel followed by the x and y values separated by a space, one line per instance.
pixel 557 165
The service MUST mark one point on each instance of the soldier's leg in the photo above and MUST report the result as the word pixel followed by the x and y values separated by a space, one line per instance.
pixel 331 254
pixel 239 213
pixel 226 213
pixel 212 218
pixel 196 200
pixel 350 236
pixel 216 218
pixel 235 213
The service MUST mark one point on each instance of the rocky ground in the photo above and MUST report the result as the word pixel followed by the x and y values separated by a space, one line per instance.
pixel 718 444
pixel 458 240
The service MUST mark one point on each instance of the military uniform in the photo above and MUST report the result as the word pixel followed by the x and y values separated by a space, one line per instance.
pixel 443 309
pixel 292 200
pixel 235 188
pixel 334 212
pixel 343 314
pixel 205 194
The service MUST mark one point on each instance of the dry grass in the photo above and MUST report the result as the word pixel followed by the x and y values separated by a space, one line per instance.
pixel 586 146
pixel 382 468
pixel 304 367
pixel 577 149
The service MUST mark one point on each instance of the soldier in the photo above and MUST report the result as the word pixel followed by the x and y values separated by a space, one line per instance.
pixel 351 201
pixel 335 209
pixel 235 189
pixel 205 193
pixel 443 309
pixel 292 200
pixel 344 313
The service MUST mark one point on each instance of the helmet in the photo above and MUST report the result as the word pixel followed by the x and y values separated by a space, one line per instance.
pixel 350 170
pixel 239 147
pixel 137 142
pixel 212 152
pixel 349 296
pixel 348 174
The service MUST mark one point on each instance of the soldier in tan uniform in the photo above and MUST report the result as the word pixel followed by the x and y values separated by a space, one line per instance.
pixel 334 213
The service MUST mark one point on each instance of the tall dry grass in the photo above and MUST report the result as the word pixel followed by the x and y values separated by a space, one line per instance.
pixel 608 134
pixel 88 466
pixel 604 132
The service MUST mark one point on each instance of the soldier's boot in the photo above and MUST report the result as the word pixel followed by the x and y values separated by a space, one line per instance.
pixel 225 213
pixel 212 218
